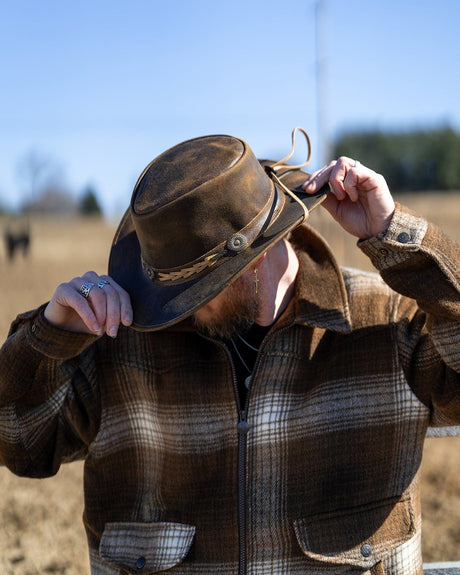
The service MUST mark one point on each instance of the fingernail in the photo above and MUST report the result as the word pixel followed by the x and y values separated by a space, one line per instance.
pixel 113 331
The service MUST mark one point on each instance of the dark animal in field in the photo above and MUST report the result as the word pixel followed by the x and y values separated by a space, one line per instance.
pixel 17 239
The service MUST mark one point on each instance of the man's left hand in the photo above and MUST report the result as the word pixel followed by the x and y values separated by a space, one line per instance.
pixel 360 200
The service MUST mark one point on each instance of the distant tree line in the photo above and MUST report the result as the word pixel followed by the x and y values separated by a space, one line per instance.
pixel 418 160
pixel 58 202
pixel 47 192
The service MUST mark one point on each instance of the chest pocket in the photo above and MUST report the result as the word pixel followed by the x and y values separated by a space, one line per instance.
pixel 358 540
pixel 145 547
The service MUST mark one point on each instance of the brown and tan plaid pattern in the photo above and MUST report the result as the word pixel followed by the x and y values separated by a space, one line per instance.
pixel 345 386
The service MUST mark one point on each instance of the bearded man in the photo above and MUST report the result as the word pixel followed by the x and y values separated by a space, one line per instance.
pixel 243 405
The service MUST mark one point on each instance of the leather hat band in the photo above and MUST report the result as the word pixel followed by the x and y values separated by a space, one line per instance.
pixel 235 244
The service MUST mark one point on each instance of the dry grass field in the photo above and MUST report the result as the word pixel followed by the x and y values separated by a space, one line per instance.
pixel 40 520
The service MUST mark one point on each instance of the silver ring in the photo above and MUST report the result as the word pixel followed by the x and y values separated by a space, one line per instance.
pixel 102 283
pixel 86 288
pixel 356 163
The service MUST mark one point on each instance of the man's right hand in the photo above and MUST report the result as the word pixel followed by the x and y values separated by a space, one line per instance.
pixel 105 307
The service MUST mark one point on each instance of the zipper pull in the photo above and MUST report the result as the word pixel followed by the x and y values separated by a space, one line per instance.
pixel 243 425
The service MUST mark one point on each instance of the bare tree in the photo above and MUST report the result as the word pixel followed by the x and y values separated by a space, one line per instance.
pixel 45 188
pixel 32 168
pixel 38 173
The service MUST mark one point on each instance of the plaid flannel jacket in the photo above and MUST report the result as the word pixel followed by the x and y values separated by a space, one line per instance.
pixel 317 473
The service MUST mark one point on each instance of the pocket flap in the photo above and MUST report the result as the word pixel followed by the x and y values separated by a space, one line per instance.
pixel 149 547
pixel 359 538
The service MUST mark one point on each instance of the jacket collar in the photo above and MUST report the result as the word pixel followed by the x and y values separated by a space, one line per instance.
pixel 321 297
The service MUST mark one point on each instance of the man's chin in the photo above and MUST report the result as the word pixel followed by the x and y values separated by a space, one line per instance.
pixel 222 328
pixel 233 311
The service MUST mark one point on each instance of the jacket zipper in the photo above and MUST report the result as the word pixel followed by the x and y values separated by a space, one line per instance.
pixel 243 429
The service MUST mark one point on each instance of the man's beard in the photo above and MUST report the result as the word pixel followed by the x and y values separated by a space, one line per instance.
pixel 236 313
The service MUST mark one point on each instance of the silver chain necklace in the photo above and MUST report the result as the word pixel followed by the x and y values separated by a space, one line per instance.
pixel 239 355
pixel 256 349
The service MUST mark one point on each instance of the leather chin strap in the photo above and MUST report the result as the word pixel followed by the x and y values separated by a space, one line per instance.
pixel 278 170
pixel 272 174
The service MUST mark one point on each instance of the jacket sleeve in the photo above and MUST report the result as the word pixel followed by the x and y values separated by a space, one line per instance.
pixel 49 401
pixel 420 262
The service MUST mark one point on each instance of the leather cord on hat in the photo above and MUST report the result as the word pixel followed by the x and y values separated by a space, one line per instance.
pixel 272 174
pixel 279 169
pixel 278 166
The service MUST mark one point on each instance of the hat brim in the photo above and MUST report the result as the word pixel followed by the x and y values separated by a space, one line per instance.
pixel 158 306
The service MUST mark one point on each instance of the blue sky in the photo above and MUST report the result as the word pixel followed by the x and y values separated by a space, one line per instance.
pixel 99 88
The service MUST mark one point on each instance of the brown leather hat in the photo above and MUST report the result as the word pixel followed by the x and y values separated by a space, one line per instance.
pixel 200 214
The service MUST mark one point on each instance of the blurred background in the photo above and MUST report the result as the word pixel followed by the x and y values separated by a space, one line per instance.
pixel 91 92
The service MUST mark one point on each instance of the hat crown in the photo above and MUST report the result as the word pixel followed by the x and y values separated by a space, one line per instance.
pixel 194 197
pixel 183 168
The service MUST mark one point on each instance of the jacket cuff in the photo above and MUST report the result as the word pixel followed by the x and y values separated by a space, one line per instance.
pixel 394 246
pixel 54 342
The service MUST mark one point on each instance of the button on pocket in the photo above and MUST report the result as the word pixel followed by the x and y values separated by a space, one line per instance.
pixel 403 238
pixel 356 538
pixel 146 547
pixel 366 550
